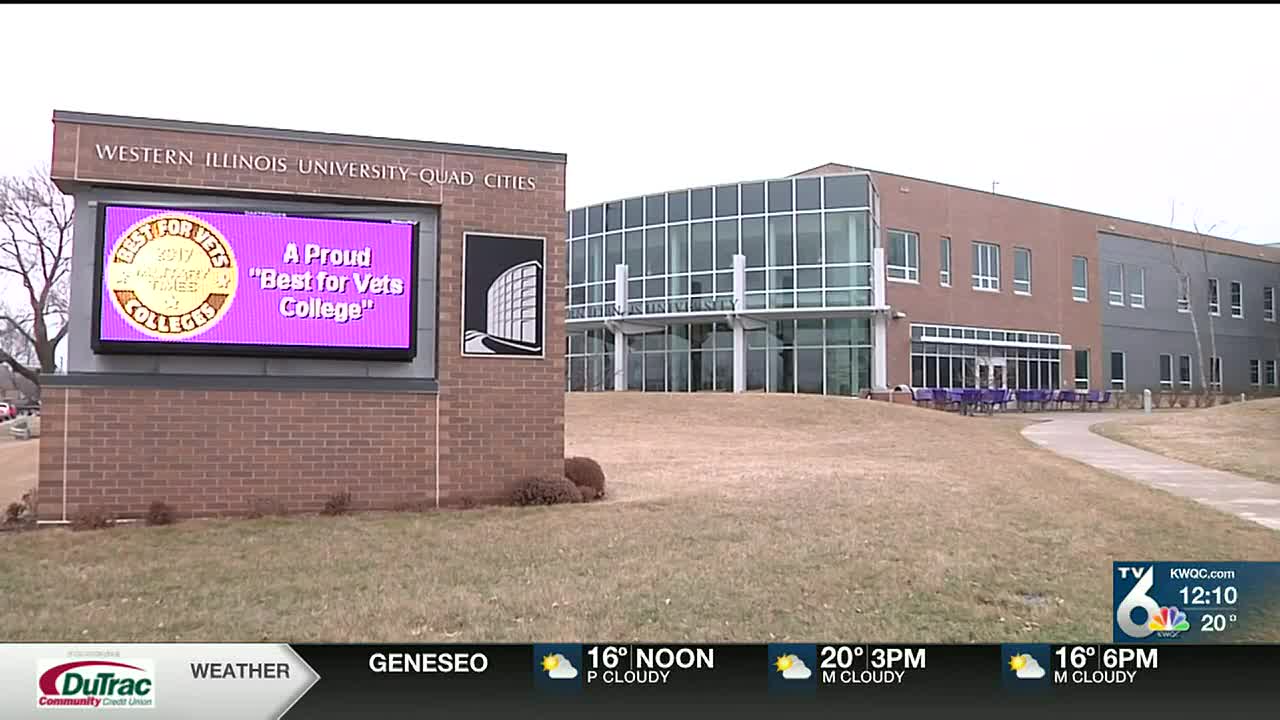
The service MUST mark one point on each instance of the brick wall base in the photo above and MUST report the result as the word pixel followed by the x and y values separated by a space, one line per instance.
pixel 893 396
pixel 215 452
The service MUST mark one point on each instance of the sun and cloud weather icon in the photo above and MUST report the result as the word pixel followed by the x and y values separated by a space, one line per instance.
pixel 1169 619
pixel 792 668
pixel 1026 667
pixel 559 667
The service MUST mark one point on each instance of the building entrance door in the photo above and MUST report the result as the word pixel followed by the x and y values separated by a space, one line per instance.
pixel 991 373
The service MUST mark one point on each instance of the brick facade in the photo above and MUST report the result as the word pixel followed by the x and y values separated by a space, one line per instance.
pixel 210 452
pixel 1053 235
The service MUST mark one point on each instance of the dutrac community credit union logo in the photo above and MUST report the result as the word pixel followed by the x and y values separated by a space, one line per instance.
pixel 171 276
pixel 96 684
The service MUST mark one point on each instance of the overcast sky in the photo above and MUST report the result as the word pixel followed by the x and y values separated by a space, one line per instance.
pixel 1112 109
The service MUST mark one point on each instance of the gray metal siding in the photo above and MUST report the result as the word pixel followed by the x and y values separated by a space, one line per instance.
pixel 1144 333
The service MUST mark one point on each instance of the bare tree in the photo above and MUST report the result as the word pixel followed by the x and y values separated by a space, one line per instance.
pixel 1213 337
pixel 35 247
pixel 1184 283
pixel 1184 280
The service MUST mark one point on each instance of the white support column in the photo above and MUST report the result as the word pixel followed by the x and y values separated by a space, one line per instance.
pixel 879 354
pixel 877 277
pixel 619 338
pixel 739 332
pixel 879 324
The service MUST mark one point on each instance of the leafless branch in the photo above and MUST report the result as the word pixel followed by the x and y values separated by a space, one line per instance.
pixel 36 226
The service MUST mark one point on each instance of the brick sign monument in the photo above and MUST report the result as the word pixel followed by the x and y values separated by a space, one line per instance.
pixel 271 315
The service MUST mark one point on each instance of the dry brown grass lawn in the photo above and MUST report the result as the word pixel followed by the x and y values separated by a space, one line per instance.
pixel 748 518
pixel 19 467
pixel 1242 437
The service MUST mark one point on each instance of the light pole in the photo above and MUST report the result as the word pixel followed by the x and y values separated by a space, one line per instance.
pixel 994 183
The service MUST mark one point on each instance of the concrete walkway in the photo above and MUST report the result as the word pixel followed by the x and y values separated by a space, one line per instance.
pixel 1067 434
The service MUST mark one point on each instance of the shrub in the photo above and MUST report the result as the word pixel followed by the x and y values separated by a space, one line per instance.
pixel 160 513
pixel 263 507
pixel 466 502
pixel 94 518
pixel 587 494
pixel 585 473
pixel 14 512
pixel 546 491
pixel 337 504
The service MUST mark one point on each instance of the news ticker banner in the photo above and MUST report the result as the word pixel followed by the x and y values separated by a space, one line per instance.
pixel 199 681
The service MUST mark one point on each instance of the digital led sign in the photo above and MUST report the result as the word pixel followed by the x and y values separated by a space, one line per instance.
pixel 190 281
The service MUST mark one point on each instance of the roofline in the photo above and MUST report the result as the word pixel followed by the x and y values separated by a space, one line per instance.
pixel 82 118
pixel 712 186
pixel 1069 209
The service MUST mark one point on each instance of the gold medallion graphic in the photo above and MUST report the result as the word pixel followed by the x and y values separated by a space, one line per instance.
pixel 172 276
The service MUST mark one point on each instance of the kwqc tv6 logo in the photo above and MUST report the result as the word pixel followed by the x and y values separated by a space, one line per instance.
pixel 101 683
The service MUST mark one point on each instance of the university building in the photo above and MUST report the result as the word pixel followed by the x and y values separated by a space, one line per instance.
pixel 844 281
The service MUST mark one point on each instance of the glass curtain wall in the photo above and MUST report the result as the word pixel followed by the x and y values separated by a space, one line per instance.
pixel 807 243
pixel 831 356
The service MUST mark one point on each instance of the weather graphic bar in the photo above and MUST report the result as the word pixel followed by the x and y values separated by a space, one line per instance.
pixel 401 681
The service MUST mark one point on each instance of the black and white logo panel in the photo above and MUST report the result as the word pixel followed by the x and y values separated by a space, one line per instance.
pixel 503 296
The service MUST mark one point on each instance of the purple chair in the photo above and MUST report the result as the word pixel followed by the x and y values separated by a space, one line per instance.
pixel 921 395
pixel 1005 397
pixel 1097 397
pixel 1025 398
pixel 970 398
pixel 987 399
pixel 1069 397
pixel 940 398
pixel 953 397
pixel 1044 397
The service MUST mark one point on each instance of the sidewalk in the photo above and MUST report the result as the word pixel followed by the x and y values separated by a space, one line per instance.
pixel 1067 434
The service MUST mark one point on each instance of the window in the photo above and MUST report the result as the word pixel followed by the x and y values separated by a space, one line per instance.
pixel 1117 371
pixel 937 362
pixel 944 262
pixel 1115 283
pixel 1215 373
pixel 1255 372
pixel 1166 372
pixel 1269 304
pixel 1213 297
pixel 1184 371
pixel 841 191
pixel 904 256
pixel 1237 300
pixel 752 199
pixel 1269 370
pixel 1136 279
pixel 986 266
pixel 1022 270
pixel 1184 294
pixel 1082 369
pixel 1080 279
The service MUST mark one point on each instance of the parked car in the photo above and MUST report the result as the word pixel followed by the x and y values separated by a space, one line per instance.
pixel 8 411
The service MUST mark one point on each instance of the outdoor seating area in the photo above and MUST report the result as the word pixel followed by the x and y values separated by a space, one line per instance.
pixel 971 401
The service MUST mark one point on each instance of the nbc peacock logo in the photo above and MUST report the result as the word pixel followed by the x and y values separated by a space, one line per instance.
pixel 1169 619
